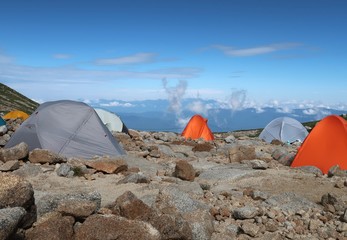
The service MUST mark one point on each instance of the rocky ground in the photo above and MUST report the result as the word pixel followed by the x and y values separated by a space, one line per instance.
pixel 166 187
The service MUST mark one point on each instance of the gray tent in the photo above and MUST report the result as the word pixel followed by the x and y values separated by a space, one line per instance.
pixel 111 120
pixel 69 128
pixel 285 129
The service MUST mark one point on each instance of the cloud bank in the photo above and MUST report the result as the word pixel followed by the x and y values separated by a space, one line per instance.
pixel 254 51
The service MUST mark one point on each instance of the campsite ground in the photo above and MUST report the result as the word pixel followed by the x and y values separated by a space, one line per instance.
pixel 273 180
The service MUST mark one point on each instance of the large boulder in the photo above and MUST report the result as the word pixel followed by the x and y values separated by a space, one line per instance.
pixel 241 152
pixel 17 152
pixel 170 226
pixel 17 192
pixel 115 227
pixel 107 165
pixel 45 156
pixel 184 171
pixel 52 226
pixel 9 220
pixel 50 202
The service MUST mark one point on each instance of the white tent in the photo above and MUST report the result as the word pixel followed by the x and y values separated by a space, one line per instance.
pixel 111 120
pixel 69 128
pixel 285 129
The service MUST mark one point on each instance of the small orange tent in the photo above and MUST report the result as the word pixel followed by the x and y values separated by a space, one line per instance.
pixel 197 128
pixel 325 146
pixel 16 114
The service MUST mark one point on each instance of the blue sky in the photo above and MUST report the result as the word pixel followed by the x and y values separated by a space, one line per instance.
pixel 268 51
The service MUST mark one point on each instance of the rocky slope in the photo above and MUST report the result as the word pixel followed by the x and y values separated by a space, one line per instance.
pixel 166 187
pixel 11 99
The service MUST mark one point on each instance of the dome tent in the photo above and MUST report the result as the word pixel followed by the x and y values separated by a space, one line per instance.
pixel 111 120
pixel 2 125
pixel 16 114
pixel 2 121
pixel 325 146
pixel 197 128
pixel 69 128
pixel 285 129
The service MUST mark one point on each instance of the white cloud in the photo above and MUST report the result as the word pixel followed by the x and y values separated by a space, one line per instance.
pixel 182 122
pixel 253 51
pixel 284 109
pixel 199 107
pixel 61 56
pixel 5 59
pixel 132 59
pixel 38 100
pixel 237 99
pixel 116 104
pixel 175 95
pixel 69 75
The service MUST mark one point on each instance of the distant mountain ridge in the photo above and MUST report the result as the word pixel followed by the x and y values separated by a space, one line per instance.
pixel 163 115
pixel 10 99
pixel 157 115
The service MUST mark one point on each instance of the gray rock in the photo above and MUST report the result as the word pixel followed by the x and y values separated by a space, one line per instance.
pixel 344 216
pixel 166 150
pixel 172 197
pixel 337 171
pixel 258 195
pixel 224 174
pixel 9 166
pixel 15 191
pixel 250 229
pixel 311 169
pixel 49 203
pixel 64 170
pixel 258 164
pixel 191 188
pixel 342 227
pixel 287 159
pixel 229 139
pixel 165 136
pixel 202 155
pixel 246 212
pixel 17 152
pixel 278 153
pixel 28 170
pixel 3 130
pixel 135 178
pixel 289 201
pixel 330 199
pixel 201 224
pixel 232 230
pixel 144 165
pixel 9 220
pixel 241 152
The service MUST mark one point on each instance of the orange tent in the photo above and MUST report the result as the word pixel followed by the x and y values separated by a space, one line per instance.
pixel 16 114
pixel 197 128
pixel 325 146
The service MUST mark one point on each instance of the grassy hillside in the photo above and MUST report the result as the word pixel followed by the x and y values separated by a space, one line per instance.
pixel 11 99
